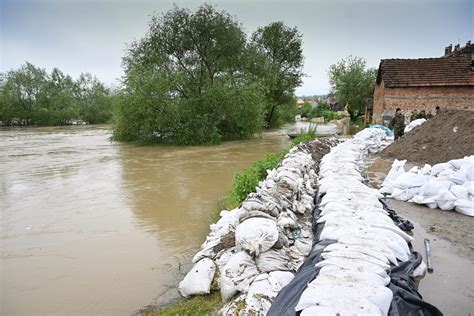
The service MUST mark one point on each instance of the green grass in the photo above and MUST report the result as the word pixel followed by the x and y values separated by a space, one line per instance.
pixel 244 183
pixel 196 305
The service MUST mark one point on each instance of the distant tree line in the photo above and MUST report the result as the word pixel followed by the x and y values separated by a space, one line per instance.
pixel 196 78
pixel 31 96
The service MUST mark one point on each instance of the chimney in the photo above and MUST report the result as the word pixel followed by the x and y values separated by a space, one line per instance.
pixel 448 49
pixel 456 47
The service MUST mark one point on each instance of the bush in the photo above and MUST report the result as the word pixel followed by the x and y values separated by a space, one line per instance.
pixel 246 182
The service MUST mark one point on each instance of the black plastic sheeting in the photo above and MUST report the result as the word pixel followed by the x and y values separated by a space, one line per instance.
pixel 406 299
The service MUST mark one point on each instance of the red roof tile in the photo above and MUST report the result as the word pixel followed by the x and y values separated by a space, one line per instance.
pixel 452 71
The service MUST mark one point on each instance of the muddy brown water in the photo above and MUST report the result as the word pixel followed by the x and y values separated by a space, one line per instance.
pixel 451 286
pixel 91 226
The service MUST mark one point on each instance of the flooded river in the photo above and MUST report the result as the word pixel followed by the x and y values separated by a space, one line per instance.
pixel 90 226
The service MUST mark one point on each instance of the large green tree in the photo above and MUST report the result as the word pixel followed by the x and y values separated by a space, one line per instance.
pixel 276 57
pixel 185 82
pixel 352 83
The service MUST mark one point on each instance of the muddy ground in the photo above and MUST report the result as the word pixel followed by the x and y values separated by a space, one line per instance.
pixel 451 286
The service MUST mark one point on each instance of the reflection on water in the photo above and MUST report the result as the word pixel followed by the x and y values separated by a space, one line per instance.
pixel 92 226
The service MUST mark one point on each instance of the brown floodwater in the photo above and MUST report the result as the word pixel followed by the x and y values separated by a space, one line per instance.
pixel 92 226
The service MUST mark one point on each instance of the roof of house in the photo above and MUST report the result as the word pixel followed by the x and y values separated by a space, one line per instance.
pixel 452 71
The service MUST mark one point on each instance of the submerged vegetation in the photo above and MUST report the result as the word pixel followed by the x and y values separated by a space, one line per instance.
pixel 195 78
pixel 31 96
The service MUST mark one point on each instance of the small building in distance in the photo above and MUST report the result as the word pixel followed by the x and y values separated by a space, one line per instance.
pixel 299 103
pixel 423 84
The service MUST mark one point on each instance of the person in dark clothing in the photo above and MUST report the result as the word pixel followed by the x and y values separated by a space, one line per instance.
pixel 438 110
pixel 397 124
pixel 422 114
pixel 414 115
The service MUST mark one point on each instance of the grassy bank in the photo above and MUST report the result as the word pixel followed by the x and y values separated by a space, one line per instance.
pixel 244 183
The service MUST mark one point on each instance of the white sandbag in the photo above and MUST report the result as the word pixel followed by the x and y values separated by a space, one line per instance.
pixel 419 270
pixel 428 201
pixel 409 180
pixel 469 172
pixel 347 276
pixel 432 188
pixel 273 260
pixel 405 194
pixel 445 200
pixel 436 169
pixel 256 235
pixel 459 192
pixel 458 163
pixel 459 177
pixel 323 295
pixel 469 186
pixel 425 170
pixel 304 245
pixel 283 277
pixel 413 169
pixel 338 306
pixel 414 124
pixel 199 279
pixel 465 207
pixel 260 296
pixel 238 274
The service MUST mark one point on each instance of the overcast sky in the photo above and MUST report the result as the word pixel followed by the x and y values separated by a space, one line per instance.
pixel 90 36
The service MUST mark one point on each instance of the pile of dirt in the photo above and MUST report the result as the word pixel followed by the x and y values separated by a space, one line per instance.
pixel 449 135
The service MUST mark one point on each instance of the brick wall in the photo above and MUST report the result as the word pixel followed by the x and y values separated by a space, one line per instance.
pixel 386 100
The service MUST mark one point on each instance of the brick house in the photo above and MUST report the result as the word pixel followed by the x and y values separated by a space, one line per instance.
pixel 425 83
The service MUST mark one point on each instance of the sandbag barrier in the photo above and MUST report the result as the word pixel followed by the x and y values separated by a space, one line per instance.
pixel 448 185
pixel 255 249
pixel 361 263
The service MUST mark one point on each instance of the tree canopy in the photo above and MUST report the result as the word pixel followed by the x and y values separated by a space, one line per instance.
pixel 280 66
pixel 31 96
pixel 195 79
pixel 352 83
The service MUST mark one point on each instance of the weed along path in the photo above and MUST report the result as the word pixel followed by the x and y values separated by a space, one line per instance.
pixel 90 226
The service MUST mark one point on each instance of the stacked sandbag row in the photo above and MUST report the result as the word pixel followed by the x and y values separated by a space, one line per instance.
pixel 257 247
pixel 362 242
pixel 448 185
pixel 374 139
pixel 413 124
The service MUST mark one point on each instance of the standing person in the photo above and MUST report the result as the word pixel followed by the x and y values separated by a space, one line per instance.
pixel 438 110
pixel 414 115
pixel 397 124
